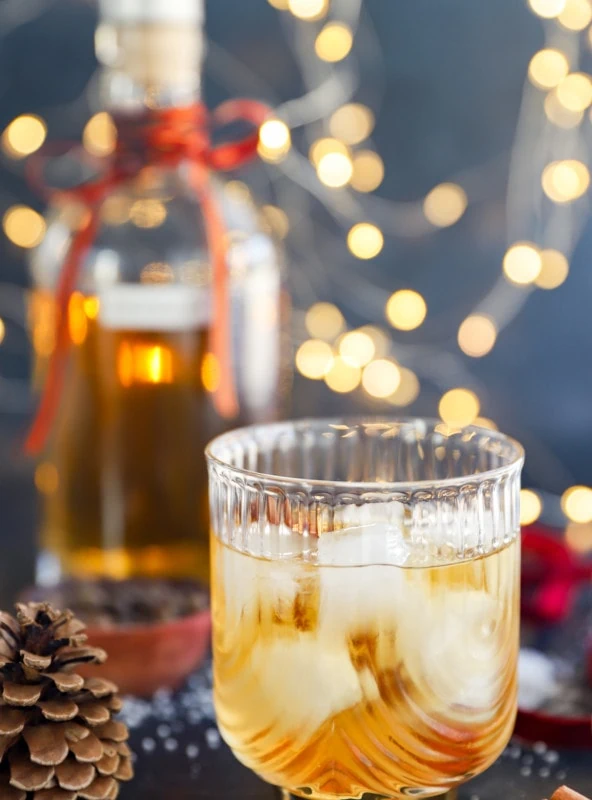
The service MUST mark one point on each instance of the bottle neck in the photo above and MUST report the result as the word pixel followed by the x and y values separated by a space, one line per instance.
pixel 149 65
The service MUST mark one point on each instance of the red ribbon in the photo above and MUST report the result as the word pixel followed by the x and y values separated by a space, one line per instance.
pixel 164 138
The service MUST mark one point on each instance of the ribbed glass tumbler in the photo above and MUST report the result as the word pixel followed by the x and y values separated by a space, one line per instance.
pixel 365 596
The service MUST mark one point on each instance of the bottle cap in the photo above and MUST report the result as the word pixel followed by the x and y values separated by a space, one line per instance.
pixel 136 11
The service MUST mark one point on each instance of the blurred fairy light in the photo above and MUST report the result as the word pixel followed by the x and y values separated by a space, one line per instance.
pixel 324 147
pixel 522 263
pixel 2 330
pixel 530 506
pixel 564 181
pixel 357 348
pixel 100 136
pixel 335 170
pixel 281 5
pixel 406 310
pixel 334 42
pixel 380 339
pixel 559 115
pixel 24 226
pixel 554 269
pixel 477 335
pixel 576 503
pixel 365 240
pixel 548 9
pixel 277 219
pixel 578 536
pixel 314 359
pixel 352 123
pixel 445 204
pixel 407 391
pixel 381 378
pixel 576 15
pixel 324 321
pixel 116 209
pixel 343 377
pixel 368 171
pixel 574 92
pixel 46 478
pixel 274 140
pixel 485 422
pixel 148 213
pixel 459 407
pixel 547 68
pixel 309 10
pixel 24 136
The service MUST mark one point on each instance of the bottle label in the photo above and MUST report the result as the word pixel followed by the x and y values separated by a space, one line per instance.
pixel 175 307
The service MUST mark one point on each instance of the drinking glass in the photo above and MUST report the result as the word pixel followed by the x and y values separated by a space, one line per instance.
pixel 365 600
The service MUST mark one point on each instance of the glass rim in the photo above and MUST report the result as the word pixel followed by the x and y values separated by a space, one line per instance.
pixel 516 460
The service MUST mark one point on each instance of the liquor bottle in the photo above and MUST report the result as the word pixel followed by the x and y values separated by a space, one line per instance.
pixel 128 491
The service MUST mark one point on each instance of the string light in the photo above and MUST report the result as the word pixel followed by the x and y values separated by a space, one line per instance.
pixel 406 310
pixel 477 335
pixel 343 377
pixel 100 136
pixel 274 140
pixel 554 269
pixel 314 359
pixel 576 503
pixel 548 9
pixel 368 171
pixel 530 506
pixel 277 220
pixel 574 92
pixel 335 170
pixel 576 15
pixel 381 378
pixel 148 213
pixel 559 115
pixel 352 123
pixel 334 42
pixel 25 135
pixel 407 391
pixel 24 226
pixel 459 407
pixel 3 331
pixel 309 10
pixel 357 348
pixel 324 321
pixel 365 240
pixel 564 181
pixel 547 68
pixel 445 204
pixel 522 263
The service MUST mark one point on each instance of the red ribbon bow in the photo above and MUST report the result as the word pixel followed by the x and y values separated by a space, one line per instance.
pixel 165 137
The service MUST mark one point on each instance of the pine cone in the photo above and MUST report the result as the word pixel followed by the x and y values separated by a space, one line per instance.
pixel 58 740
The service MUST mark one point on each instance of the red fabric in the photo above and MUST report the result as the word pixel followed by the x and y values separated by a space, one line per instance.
pixel 163 137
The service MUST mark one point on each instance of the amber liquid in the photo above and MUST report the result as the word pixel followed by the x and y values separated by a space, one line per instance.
pixel 340 682
pixel 130 491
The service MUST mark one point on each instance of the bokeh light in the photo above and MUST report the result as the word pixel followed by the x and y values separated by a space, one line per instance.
pixel 314 358
pixel 274 140
pixel 325 146
pixel 406 310
pixel 335 170
pixel 352 123
pixel 357 348
pixel 564 181
pixel 548 9
pixel 547 68
pixel 576 503
pixel 24 226
pixel 100 136
pixel 485 422
pixel 445 204
pixel 334 42
pixel 46 478
pixel 3 332
pixel 554 269
pixel 343 377
pixel 477 335
pixel 530 506
pixel 578 536
pixel 309 10
pixel 281 5
pixel 459 407
pixel 576 15
pixel 365 240
pixel 368 171
pixel 574 92
pixel 381 378
pixel 559 115
pixel 324 321
pixel 148 213
pixel 407 391
pixel 277 219
pixel 522 263
pixel 24 135
pixel 381 339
